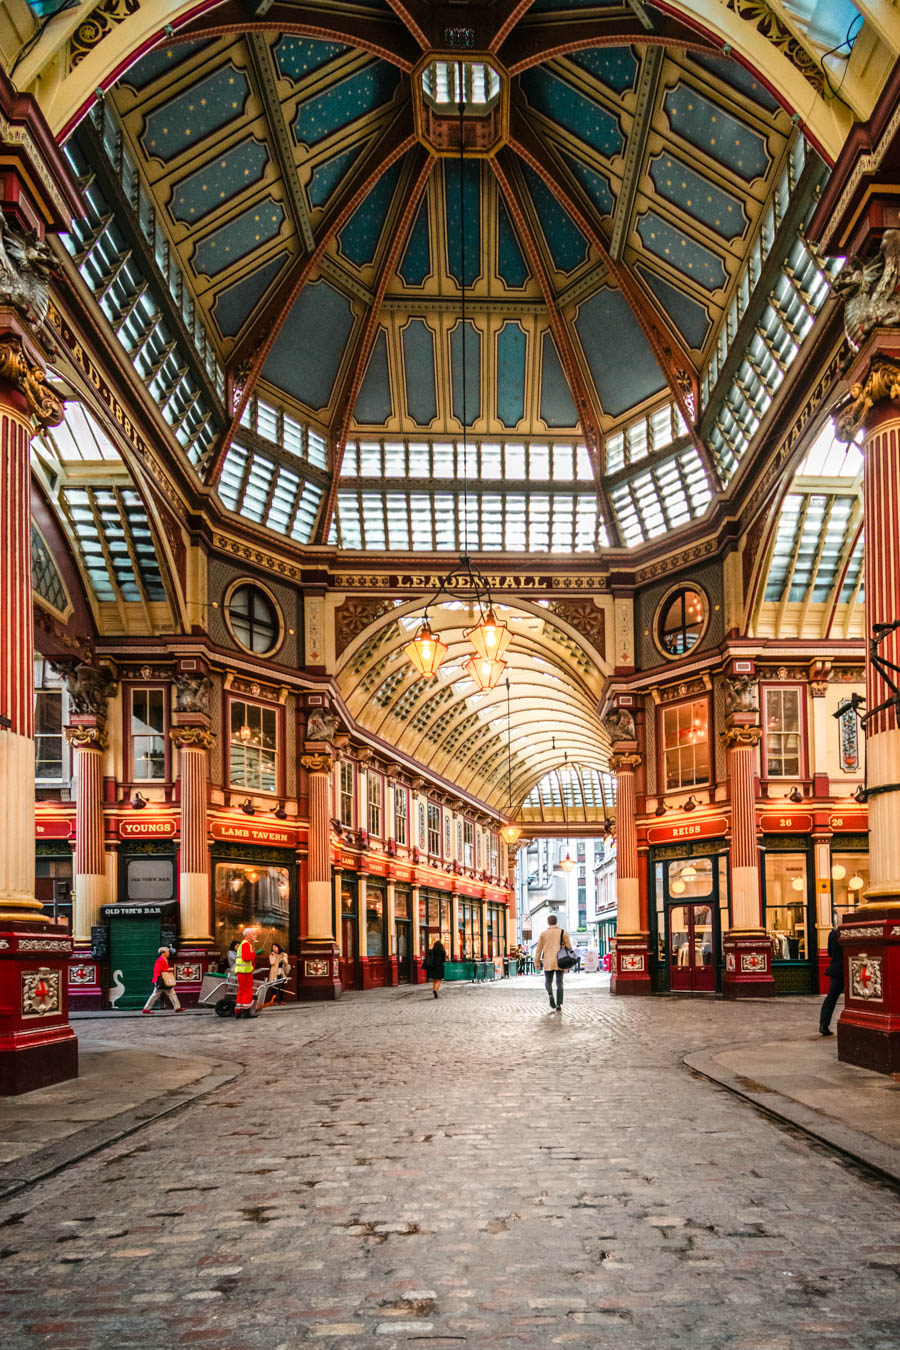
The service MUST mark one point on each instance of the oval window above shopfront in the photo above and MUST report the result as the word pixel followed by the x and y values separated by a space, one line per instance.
pixel 253 618
pixel 681 620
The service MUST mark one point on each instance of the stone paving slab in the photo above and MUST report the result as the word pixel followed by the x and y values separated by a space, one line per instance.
pixel 801 1081
pixel 396 1171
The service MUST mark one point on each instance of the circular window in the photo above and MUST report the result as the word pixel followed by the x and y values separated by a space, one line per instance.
pixel 681 620
pixel 254 619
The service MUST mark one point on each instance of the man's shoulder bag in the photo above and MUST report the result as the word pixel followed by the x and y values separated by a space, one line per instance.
pixel 565 957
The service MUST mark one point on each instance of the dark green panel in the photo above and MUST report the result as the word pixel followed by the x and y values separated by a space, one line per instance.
pixel 196 113
pixel 512 348
pixel 416 264
pixel 471 206
pixel 374 405
pixel 220 180
pixel 233 307
pixel 511 265
pixel 358 240
pixel 418 362
pixel 557 405
pixel 473 372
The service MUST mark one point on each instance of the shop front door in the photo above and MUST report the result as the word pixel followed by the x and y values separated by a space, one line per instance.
pixel 349 953
pixel 692 948
pixel 404 951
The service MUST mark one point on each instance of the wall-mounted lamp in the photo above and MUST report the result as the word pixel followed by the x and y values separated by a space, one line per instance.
pixel 138 802
pixel 280 814
pixel 690 804
pixel 795 795
pixel 248 808
pixel 661 808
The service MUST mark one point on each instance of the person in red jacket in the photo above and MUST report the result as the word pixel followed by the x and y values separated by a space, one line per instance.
pixel 160 987
pixel 245 961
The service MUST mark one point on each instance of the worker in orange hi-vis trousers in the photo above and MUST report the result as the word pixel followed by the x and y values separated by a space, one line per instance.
pixel 245 960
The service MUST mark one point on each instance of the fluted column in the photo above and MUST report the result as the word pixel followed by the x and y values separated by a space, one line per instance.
pixel 194 741
pixel 90 891
pixel 748 949
pixel 869 1027
pixel 631 961
pixel 319 976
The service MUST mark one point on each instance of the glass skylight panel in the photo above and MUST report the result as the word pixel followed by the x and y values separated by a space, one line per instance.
pixel 852 575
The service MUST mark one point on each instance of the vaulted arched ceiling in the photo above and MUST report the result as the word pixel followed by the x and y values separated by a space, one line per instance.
pixel 453 729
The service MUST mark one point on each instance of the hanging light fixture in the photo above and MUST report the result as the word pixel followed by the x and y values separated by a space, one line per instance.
pixel 426 651
pixel 856 883
pixel 838 871
pixel 567 862
pixel 510 833
pixel 489 636
pixel 245 735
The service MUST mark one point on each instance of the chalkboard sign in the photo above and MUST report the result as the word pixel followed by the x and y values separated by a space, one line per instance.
pixel 168 937
pixel 99 941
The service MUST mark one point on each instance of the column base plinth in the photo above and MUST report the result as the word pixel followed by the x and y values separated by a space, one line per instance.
pixel 869 1027
pixel 420 974
pixel 89 989
pixel 318 971
pixel 630 964
pixel 748 965
pixel 37 1045
pixel 192 960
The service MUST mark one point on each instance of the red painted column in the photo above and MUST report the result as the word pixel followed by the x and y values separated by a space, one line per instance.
pixel 869 1026
pixel 196 951
pixel 319 974
pixel 748 949
pixel 631 955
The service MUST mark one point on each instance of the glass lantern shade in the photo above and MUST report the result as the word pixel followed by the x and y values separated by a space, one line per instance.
pixel 485 672
pixel 426 651
pixel 856 883
pixel 567 863
pixel 490 638
pixel 838 871
pixel 511 834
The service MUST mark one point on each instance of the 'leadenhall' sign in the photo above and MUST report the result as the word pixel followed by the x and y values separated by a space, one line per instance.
pixel 276 836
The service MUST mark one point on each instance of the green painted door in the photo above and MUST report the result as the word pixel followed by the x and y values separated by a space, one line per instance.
pixel 133 947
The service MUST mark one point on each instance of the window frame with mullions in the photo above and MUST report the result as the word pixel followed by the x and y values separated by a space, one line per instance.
pixel 146 687
pixel 253 586
pixel 277 755
pixel 665 603
pixel 673 706
pixel 770 735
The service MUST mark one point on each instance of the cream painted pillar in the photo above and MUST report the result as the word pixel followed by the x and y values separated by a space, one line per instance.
pixel 193 739
pixel 748 949
pixel 415 892
pixel 319 974
pixel 88 743
pixel 822 853
pixel 337 886
pixel 455 951
pixel 631 967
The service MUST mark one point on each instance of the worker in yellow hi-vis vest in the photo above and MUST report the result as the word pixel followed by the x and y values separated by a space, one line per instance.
pixel 245 961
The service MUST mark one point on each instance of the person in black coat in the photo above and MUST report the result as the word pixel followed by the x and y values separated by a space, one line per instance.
pixel 835 972
pixel 434 965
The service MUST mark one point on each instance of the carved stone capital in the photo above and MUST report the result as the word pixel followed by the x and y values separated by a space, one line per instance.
pixel 627 761
pixel 87 738
pixel 881 384
pixel 318 763
pixel 819 688
pixel 43 402
pixel 733 737
pixel 192 738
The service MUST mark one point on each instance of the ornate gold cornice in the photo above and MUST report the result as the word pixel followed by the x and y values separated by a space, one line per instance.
pixel 627 760
pixel 192 738
pixel 43 402
pixel 736 736
pixel 87 738
pixel 318 763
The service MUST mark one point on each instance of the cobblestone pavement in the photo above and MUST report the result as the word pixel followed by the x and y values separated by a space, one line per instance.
pixel 399 1172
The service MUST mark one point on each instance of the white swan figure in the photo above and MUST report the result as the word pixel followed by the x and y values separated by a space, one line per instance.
pixel 117 988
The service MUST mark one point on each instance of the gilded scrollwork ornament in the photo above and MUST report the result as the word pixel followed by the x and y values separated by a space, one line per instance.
pixel 43 402
pixel 319 763
pixel 87 737
pixel 732 737
pixel 192 738
pixel 881 384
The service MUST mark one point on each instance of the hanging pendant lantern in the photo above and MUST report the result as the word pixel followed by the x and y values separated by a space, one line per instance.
pixel 490 638
pixel 567 863
pixel 511 834
pixel 485 673
pixel 426 651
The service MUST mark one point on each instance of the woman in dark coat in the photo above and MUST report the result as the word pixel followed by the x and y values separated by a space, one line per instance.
pixel 434 965
pixel 835 972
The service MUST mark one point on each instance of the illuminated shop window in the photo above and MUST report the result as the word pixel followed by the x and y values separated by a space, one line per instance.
pixel 253 747
pixel 685 744
pixel 787 921
pixel 784 732
pixel 849 882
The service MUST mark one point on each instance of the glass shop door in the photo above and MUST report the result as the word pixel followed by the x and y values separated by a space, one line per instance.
pixel 692 924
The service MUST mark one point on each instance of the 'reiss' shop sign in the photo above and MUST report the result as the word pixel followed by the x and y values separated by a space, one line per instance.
pixel 273 836
pixel 712 827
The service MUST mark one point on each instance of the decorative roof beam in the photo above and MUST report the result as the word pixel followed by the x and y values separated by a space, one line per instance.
pixel 673 359
pixel 359 359
pixel 388 40
pixel 532 43
pixel 264 78
pixel 587 414
pixel 250 353
pixel 648 84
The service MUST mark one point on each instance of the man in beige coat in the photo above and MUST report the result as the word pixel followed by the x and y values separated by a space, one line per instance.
pixel 549 943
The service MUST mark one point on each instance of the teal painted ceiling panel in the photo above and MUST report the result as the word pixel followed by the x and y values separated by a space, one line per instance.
pixel 196 113
pixel 220 180
pixel 512 349
pixel 681 251
pixel 724 138
pixel 568 246
pixel 557 405
pixel 297 57
pixel 471 206
pixel 511 265
pixel 307 353
pixel 574 111
pixel 690 317
pixel 596 185
pixel 345 102
pixel 358 240
pixel 327 175
pixel 733 73
pixel 416 264
pixel 374 405
pixel 697 196
pixel 472 388
pixel 620 358
pixel 160 62
pixel 233 307
pixel 616 67
pixel 418 364
pixel 233 241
